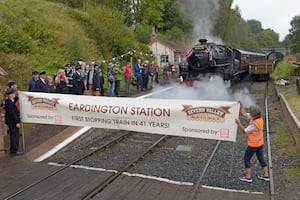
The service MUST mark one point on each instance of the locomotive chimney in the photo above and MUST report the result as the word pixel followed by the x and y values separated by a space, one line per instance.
pixel 202 41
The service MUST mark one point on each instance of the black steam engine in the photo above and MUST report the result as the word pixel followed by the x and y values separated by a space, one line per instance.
pixel 208 58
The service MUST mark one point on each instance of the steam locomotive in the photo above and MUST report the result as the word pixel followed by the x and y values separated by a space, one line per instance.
pixel 208 58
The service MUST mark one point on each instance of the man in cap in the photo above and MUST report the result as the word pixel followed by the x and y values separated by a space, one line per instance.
pixel 13 85
pixel 68 70
pixel 12 119
pixel 41 84
pixel 32 82
pixel 77 83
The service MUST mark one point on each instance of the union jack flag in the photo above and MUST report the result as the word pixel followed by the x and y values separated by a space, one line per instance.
pixel 189 53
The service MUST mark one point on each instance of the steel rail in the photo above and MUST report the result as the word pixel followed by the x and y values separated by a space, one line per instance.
pixel 272 190
pixel 193 194
pixel 101 148
pixel 111 178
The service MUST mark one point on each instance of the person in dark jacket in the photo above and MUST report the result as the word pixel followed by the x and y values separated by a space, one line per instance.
pixel 32 82
pixel 41 84
pixel 98 81
pixel 78 84
pixel 111 76
pixel 61 82
pixel 12 119
pixel 145 75
pixel 13 85
pixel 138 75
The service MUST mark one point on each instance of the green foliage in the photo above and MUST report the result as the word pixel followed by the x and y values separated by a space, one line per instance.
pixel 14 41
pixel 294 35
pixel 283 138
pixel 255 26
pixel 286 41
pixel 142 33
pixel 228 24
pixel 282 70
pixel 116 38
pixel 33 38
pixel 175 34
pixel 238 33
pixel 268 38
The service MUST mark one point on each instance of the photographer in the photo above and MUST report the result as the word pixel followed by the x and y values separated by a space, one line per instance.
pixel 61 82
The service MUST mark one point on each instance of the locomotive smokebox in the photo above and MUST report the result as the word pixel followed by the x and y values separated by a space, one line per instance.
pixel 203 41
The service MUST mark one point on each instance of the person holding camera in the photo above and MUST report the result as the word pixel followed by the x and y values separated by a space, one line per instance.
pixel 61 82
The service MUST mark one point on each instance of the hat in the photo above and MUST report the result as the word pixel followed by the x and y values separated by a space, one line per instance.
pixel 118 63
pixel 11 83
pixel 9 91
pixel 110 64
pixel 97 63
pixel 35 72
pixel 78 67
pixel 43 72
pixel 75 62
pixel 68 65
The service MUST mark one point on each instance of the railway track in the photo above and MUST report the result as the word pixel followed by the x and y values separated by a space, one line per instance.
pixel 206 163
pixel 101 148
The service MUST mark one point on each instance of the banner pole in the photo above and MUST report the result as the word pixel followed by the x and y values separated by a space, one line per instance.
pixel 23 137
pixel 231 164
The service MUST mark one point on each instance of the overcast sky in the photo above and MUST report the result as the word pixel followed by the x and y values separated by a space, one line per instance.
pixel 274 14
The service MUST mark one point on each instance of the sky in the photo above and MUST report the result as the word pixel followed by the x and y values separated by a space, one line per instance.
pixel 273 14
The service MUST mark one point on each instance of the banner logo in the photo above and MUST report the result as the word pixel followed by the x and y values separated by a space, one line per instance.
pixel 43 103
pixel 209 114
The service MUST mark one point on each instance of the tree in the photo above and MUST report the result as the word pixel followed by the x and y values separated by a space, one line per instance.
pixel 229 24
pixel 150 12
pixel 268 38
pixel 175 34
pixel 142 33
pixel 255 26
pixel 294 34
pixel 286 41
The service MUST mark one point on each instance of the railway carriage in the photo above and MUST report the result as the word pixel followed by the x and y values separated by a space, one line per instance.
pixel 261 70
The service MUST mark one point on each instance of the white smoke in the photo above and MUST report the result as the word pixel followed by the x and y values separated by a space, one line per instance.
pixel 208 89
pixel 201 12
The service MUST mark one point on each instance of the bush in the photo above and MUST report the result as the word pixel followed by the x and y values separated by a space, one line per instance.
pixel 283 69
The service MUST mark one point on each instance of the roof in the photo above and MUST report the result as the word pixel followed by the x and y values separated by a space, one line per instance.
pixel 169 44
pixel 3 72
pixel 250 52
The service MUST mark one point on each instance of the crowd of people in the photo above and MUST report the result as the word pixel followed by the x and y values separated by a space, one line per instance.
pixel 88 78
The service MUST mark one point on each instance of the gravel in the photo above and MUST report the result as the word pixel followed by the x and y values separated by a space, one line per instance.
pixel 186 166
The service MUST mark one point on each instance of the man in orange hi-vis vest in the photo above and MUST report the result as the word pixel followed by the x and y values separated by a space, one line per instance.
pixel 255 142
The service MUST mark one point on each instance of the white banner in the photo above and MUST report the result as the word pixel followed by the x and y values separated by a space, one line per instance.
pixel 188 118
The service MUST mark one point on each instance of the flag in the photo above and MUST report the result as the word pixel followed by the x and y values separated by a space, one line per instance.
pixel 189 53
